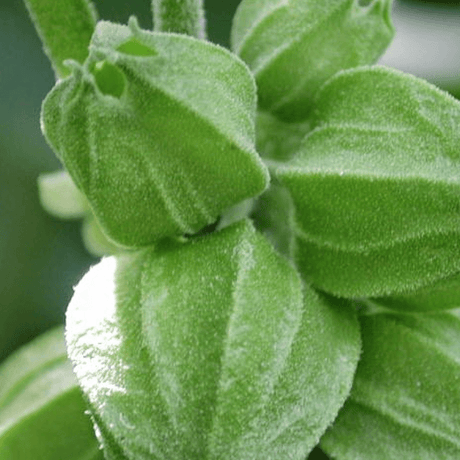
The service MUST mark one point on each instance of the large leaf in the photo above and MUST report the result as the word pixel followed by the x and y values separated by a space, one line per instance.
pixel 42 411
pixel 405 401
pixel 294 46
pixel 376 185
pixel 210 349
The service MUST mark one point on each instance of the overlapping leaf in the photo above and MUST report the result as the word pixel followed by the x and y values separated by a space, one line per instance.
pixel 376 185
pixel 405 401
pixel 209 349
pixel 157 130
pixel 42 407
pixel 294 46
pixel 65 28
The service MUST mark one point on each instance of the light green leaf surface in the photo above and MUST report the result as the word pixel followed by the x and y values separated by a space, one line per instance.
pixel 210 349
pixel 179 16
pixel 294 46
pixel 442 294
pixel 96 243
pixel 157 130
pixel 278 141
pixel 376 185
pixel 65 28
pixel 60 197
pixel 274 216
pixel 405 401
pixel 42 412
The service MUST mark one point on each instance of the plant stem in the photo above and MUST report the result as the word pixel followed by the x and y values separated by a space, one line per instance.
pixel 65 28
pixel 179 16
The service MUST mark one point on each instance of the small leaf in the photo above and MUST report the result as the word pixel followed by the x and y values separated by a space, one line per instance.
pixel 274 216
pixel 405 401
pixel 294 46
pixel 376 185
pixel 96 243
pixel 65 28
pixel 42 412
pixel 236 213
pixel 160 143
pixel 60 197
pixel 277 141
pixel 210 349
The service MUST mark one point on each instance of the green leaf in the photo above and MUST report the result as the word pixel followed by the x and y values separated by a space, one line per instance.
pixel 60 197
pixel 179 16
pixel 236 213
pixel 294 46
pixel 65 28
pixel 274 216
pixel 42 411
pixel 441 295
pixel 405 401
pixel 277 141
pixel 210 349
pixel 157 130
pixel 376 185
pixel 96 243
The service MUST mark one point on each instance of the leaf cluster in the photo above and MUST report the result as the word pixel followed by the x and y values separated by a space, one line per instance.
pixel 284 223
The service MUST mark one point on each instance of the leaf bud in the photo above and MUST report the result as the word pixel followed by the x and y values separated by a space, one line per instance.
pixel 157 131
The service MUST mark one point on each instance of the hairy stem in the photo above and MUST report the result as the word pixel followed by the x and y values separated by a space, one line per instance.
pixel 179 16
pixel 65 28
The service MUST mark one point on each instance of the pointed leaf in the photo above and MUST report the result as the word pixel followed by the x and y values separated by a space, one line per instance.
pixel 376 185
pixel 157 130
pixel 294 46
pixel 42 411
pixel 405 401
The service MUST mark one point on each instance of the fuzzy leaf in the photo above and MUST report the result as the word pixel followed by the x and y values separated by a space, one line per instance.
pixel 157 130
pixel 210 349
pixel 277 141
pixel 441 295
pixel 179 16
pixel 405 401
pixel 376 185
pixel 274 216
pixel 294 46
pixel 65 28
pixel 41 406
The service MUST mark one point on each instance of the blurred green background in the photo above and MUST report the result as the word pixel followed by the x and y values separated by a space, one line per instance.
pixel 41 258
